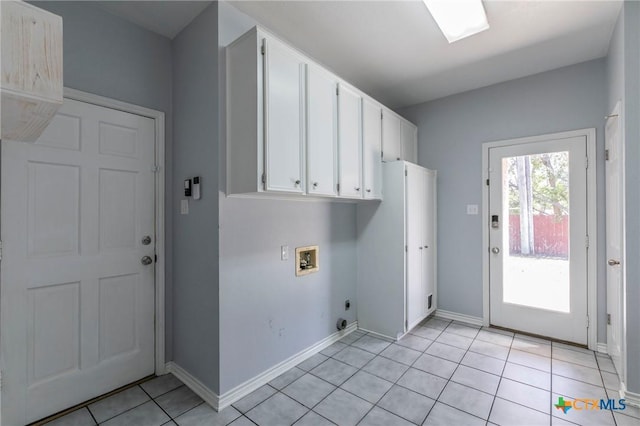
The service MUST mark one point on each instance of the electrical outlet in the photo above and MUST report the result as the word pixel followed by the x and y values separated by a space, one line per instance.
pixel 347 305
pixel 284 252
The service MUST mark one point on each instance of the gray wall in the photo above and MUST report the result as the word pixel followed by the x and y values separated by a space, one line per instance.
pixel 111 57
pixel 632 191
pixel 451 132
pixel 266 313
pixel 195 236
pixel 623 69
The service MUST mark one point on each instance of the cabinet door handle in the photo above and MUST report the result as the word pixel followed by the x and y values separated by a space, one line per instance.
pixel 368 190
pixel 357 189
pixel 315 184
pixel 420 247
pixel 298 182
pixel 426 246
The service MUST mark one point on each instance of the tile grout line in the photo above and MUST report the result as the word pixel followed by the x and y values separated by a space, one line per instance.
pixel 163 410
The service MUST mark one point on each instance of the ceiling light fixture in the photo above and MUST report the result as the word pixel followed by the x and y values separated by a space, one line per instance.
pixel 458 19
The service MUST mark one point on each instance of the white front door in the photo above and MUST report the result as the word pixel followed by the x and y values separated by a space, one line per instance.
pixel 537 235
pixel 77 303
pixel 615 231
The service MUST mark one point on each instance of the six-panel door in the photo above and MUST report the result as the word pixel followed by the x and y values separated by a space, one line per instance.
pixel 77 304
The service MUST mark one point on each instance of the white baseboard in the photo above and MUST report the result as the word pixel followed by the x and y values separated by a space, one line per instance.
pixel 630 398
pixel 382 336
pixel 219 402
pixel 459 317
pixel 209 396
pixel 265 377
pixel 602 348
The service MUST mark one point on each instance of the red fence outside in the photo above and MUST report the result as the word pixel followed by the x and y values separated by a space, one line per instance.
pixel 550 236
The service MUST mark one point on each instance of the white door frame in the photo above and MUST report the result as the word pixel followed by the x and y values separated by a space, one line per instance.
pixel 592 259
pixel 159 265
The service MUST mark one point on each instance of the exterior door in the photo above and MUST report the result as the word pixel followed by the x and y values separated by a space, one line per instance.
pixel 538 238
pixel 77 219
pixel 415 202
pixel 615 230
pixel 284 115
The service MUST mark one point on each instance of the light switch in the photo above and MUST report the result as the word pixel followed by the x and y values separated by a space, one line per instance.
pixel 184 206
pixel 472 209
pixel 284 252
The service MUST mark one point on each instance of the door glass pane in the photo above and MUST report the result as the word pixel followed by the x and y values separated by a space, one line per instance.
pixel 536 203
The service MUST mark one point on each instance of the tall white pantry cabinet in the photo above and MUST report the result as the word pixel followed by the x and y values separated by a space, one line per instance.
pixel 397 252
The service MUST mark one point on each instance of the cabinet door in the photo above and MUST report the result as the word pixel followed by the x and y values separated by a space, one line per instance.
pixel 371 148
pixel 322 116
pixel 429 264
pixel 409 138
pixel 284 75
pixel 416 295
pixel 349 142
pixel 391 138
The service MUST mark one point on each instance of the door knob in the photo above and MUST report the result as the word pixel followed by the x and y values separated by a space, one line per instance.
pixel 146 260
pixel 146 240
pixel 495 250
pixel 613 262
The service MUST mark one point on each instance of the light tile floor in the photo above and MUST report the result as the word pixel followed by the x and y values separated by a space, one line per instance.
pixel 442 373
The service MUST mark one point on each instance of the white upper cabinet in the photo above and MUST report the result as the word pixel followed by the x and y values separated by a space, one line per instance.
pixel 391 137
pixel 322 136
pixel 349 142
pixel 295 128
pixel 371 149
pixel 31 82
pixel 284 134
pixel 409 138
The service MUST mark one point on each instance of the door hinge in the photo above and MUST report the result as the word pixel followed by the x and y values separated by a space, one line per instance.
pixel 262 49
pixel 587 321
pixel 487 182
pixel 0 250
pixel 406 173
pixel 155 258
pixel 381 154
pixel 586 162
pixel 338 188
pixel 606 155
pixel 608 319
pixel 381 115
pixel 586 242
pixel 264 178
pixel 337 90
pixel 406 324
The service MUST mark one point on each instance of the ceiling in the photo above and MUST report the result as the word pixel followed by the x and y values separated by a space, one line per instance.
pixel 394 51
